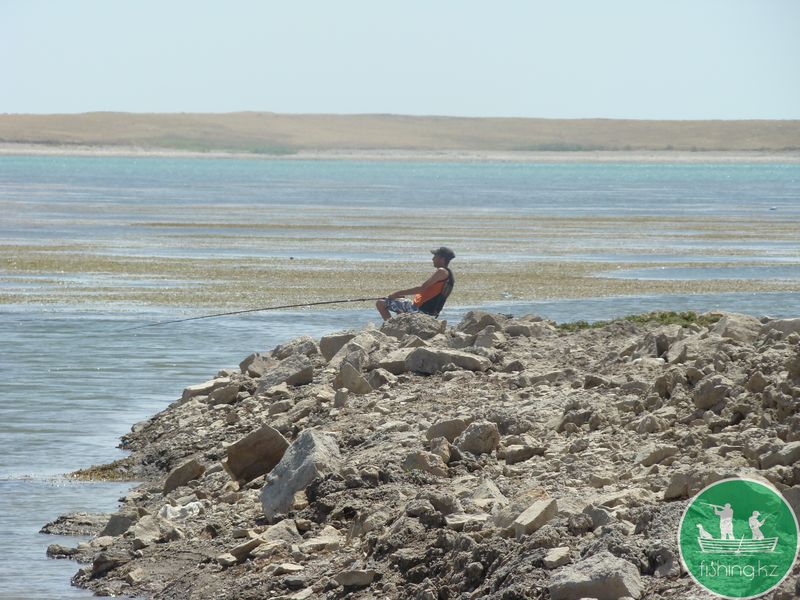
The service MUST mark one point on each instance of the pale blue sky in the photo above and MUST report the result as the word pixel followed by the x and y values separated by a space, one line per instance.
pixel 638 59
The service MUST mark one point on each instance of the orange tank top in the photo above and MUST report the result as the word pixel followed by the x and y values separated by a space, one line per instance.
pixel 429 292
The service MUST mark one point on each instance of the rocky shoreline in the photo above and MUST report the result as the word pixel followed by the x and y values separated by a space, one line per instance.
pixel 500 458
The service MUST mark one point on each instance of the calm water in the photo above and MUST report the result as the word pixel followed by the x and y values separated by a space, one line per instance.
pixel 73 381
pixel 187 208
pixel 770 272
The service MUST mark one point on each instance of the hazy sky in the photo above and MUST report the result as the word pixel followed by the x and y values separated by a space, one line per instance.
pixel 640 59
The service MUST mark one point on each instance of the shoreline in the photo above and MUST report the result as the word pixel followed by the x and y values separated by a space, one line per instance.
pixel 210 519
pixel 390 155
pixel 484 285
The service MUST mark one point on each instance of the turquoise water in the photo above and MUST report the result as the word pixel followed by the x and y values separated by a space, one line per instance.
pixel 73 380
pixel 134 206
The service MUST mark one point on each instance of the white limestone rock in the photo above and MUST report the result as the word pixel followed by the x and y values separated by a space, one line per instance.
pixel 312 454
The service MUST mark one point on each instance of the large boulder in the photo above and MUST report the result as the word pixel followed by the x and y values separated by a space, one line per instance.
pixel 224 395
pixel 283 531
pixel 257 364
pixel 120 522
pixel 449 429
pixel 433 360
pixel 330 344
pixel 784 326
pixel 395 361
pixel 351 353
pixel 352 379
pixel 528 326
pixel 691 348
pixel 151 529
pixel 476 321
pixel 295 370
pixel 419 324
pixel 488 496
pixel 656 343
pixel 652 454
pixel 504 518
pixel 489 338
pixel 793 365
pixel 314 453
pixel 535 516
pixel 687 481
pixel 255 454
pixel 377 378
pixel 358 349
pixel 665 384
pixel 183 474
pixel 356 578
pixel 304 345
pixel 602 576
pixel 426 461
pixel 711 391
pixel 481 437
pixel 792 496
pixel 204 389
pixel 742 328
pixel 787 455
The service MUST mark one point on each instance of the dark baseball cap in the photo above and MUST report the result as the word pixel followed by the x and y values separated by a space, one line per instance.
pixel 444 252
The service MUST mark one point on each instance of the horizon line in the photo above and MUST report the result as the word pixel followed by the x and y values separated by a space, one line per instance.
pixel 386 115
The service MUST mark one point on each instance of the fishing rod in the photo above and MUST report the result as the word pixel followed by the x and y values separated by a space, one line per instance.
pixel 249 310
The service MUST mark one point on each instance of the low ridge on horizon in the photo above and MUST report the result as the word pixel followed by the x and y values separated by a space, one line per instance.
pixel 270 133
pixel 385 114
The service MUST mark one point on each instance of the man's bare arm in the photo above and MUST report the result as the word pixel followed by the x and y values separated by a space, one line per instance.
pixel 439 275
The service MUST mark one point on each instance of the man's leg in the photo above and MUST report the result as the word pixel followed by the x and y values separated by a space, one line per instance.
pixel 381 306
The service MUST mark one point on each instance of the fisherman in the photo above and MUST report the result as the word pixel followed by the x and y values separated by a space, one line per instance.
pixel 755 525
pixel 429 297
pixel 725 515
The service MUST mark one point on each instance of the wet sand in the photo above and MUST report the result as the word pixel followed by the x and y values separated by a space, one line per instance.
pixel 56 275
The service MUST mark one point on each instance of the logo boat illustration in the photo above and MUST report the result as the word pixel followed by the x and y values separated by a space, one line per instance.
pixel 728 544
pixel 741 546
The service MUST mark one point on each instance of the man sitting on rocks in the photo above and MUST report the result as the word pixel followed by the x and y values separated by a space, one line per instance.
pixel 430 296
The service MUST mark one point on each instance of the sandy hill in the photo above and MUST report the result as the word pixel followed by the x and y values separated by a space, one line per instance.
pixel 269 133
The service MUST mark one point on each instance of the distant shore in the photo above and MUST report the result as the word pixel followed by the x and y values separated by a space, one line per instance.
pixel 599 156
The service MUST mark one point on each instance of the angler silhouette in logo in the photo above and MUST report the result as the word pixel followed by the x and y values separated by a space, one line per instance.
pixel 738 538
pixel 727 541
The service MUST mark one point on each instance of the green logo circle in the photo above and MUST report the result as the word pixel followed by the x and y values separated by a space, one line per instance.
pixel 738 538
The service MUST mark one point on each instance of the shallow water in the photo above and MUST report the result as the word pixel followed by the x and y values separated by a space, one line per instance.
pixel 772 304
pixel 26 505
pixel 74 380
pixel 772 272
pixel 68 370
pixel 164 230
pixel 179 207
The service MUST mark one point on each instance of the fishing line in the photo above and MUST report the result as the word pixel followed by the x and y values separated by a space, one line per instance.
pixel 249 310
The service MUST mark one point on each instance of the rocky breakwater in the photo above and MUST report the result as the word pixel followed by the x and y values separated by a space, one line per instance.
pixel 501 458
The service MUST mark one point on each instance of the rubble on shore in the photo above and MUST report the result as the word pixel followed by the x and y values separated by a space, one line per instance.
pixel 501 458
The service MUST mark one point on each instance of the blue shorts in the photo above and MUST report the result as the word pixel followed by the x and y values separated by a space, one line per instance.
pixel 400 305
